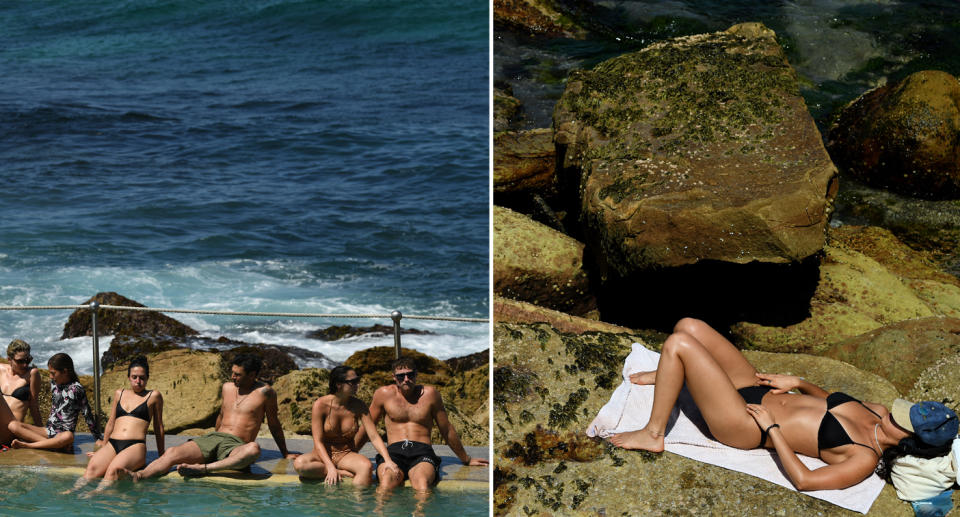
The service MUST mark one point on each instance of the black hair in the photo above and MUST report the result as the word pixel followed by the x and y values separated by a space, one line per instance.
pixel 404 362
pixel 63 362
pixel 249 362
pixel 338 375
pixel 909 446
pixel 139 361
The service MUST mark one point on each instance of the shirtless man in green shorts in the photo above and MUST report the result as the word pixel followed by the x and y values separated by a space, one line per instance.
pixel 233 445
pixel 411 409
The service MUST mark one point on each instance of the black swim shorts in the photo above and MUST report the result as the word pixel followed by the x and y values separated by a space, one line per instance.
pixel 407 454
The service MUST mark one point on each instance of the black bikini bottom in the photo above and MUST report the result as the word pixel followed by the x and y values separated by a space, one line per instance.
pixel 119 445
pixel 753 395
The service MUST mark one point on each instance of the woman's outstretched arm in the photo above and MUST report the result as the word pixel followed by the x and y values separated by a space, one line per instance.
pixel 845 474
pixel 785 383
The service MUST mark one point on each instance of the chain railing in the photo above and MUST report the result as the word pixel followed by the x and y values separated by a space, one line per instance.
pixel 396 316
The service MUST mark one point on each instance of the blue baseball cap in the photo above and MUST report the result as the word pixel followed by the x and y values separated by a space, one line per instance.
pixel 932 422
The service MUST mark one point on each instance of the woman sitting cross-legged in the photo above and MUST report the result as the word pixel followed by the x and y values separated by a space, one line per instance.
pixel 124 445
pixel 747 410
pixel 336 419
pixel 69 400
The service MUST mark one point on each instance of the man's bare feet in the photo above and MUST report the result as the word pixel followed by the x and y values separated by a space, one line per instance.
pixel 644 378
pixel 191 470
pixel 123 473
pixel 642 439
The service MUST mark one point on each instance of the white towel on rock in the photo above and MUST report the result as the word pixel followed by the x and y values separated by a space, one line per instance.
pixel 629 410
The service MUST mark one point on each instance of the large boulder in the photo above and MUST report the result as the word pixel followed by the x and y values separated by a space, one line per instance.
pixel 466 399
pixel 535 263
pixel 296 393
pixel 901 352
pixel 189 380
pixel 549 385
pixel 524 161
pixel 904 137
pixel 868 279
pixel 109 322
pixel 940 382
pixel 697 148
pixel 540 17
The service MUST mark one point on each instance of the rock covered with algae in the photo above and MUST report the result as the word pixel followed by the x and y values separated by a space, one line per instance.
pixel 548 386
pixel 696 148
pixel 904 137
pixel 537 264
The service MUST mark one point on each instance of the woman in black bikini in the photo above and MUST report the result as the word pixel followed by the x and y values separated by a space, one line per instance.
pixel 746 409
pixel 124 444
pixel 20 384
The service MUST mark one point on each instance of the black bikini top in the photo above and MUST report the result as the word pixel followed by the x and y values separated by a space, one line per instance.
pixel 831 434
pixel 22 393
pixel 142 411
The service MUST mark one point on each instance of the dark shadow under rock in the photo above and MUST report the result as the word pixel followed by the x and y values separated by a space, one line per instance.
pixel 720 293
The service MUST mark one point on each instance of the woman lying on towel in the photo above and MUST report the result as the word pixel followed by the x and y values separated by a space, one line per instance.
pixel 747 410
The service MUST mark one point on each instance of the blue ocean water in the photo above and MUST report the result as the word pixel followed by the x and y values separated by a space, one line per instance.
pixel 839 48
pixel 294 156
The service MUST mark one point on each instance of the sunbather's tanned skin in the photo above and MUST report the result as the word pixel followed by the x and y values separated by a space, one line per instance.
pixel 713 370
pixel 18 377
pixel 245 403
pixel 410 410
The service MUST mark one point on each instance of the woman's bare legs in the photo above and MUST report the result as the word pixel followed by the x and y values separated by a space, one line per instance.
pixel 33 437
pixel 713 369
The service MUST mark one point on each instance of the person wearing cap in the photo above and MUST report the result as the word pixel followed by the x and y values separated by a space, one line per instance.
pixel 746 409
pixel 923 467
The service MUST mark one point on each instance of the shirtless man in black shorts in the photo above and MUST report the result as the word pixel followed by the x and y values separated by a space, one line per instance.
pixel 411 410
pixel 233 445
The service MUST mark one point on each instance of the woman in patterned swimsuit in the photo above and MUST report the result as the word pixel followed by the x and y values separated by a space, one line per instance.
pixel 747 409
pixel 69 400
pixel 124 445
pixel 19 384
pixel 336 418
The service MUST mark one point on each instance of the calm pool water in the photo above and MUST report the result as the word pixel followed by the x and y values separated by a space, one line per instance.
pixel 35 491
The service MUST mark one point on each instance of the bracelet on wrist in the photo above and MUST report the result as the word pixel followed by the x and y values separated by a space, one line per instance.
pixel 767 431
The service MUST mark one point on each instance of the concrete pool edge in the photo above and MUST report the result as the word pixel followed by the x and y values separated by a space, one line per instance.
pixel 271 468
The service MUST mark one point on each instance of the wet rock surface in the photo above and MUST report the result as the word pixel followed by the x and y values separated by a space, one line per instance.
pixel 336 332
pixel 122 322
pixel 692 149
pixel 904 137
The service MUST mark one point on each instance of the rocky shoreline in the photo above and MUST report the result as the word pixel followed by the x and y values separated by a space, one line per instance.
pixel 189 370
pixel 689 179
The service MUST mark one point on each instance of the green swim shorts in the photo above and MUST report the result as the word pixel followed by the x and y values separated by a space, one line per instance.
pixel 217 446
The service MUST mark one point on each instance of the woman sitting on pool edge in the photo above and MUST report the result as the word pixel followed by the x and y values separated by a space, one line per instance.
pixel 19 384
pixel 68 400
pixel 335 420
pixel 746 409
pixel 124 443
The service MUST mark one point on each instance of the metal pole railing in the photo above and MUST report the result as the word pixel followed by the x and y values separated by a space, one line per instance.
pixel 395 316
pixel 96 358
